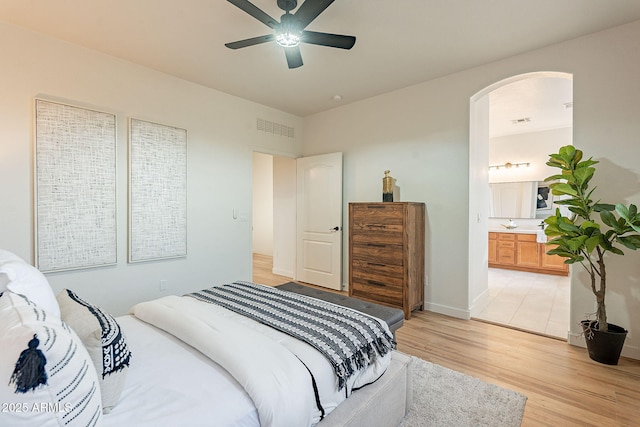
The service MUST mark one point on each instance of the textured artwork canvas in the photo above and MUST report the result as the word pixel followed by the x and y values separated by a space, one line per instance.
pixel 157 191
pixel 75 187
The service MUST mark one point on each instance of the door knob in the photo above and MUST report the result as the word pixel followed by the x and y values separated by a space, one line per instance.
pixel 336 228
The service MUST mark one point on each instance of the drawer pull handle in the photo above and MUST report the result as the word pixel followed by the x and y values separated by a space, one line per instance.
pixel 377 264
pixel 377 245
pixel 373 282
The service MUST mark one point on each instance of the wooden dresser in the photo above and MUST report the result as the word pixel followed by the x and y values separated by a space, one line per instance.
pixel 386 254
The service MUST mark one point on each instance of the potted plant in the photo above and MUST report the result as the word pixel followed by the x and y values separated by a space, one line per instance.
pixel 582 240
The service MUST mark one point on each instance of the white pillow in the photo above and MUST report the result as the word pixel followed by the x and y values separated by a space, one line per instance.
pixel 103 339
pixel 24 279
pixel 69 392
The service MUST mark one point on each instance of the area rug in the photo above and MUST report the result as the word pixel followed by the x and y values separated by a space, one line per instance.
pixel 446 398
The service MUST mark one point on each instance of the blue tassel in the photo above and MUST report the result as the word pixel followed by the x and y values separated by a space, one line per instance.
pixel 29 372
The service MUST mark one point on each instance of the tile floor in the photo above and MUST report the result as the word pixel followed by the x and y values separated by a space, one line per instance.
pixel 533 302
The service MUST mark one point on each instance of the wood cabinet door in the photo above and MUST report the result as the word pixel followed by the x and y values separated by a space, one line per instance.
pixel 527 250
pixel 528 254
pixel 493 251
pixel 552 262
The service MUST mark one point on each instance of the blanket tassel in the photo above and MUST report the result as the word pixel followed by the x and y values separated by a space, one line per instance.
pixel 29 372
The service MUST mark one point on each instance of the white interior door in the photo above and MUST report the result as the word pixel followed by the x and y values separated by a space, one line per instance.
pixel 319 220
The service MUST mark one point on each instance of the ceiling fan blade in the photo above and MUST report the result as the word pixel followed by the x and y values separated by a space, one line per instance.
pixel 294 58
pixel 250 42
pixel 310 10
pixel 256 12
pixel 326 39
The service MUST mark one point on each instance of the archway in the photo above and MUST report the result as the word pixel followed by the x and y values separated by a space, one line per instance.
pixel 478 183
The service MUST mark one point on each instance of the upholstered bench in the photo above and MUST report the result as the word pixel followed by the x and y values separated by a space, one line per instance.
pixel 393 316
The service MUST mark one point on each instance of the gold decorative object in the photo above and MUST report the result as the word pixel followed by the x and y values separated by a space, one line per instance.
pixel 387 187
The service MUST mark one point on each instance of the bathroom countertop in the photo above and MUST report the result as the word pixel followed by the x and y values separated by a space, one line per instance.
pixel 513 230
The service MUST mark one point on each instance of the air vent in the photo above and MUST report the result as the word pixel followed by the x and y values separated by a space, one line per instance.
pixel 275 128
pixel 521 121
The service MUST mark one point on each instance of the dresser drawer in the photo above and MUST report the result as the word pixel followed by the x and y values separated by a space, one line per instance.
pixel 377 253
pixel 388 273
pixel 377 213
pixel 377 233
pixel 376 290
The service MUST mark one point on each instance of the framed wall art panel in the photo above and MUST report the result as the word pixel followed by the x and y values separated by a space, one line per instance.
pixel 157 191
pixel 75 187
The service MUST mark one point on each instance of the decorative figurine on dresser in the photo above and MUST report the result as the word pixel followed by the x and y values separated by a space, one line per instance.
pixel 386 254
pixel 387 187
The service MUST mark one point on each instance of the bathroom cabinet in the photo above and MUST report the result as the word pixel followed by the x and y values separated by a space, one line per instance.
pixel 521 251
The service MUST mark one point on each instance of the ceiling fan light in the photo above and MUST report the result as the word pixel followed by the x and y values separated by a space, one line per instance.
pixel 288 34
pixel 288 39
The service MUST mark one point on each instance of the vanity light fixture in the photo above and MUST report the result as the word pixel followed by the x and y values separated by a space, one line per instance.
pixel 510 165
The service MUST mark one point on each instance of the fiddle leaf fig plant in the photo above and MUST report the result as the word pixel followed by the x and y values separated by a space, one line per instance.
pixel 578 237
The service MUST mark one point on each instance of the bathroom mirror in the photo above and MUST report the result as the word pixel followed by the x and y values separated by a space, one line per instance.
pixel 520 200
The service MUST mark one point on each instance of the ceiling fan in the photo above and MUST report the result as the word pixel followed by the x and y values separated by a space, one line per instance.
pixel 290 31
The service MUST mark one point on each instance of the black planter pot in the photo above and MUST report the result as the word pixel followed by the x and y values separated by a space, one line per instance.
pixel 604 347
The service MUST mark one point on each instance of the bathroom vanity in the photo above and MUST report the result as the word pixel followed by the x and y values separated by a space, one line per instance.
pixel 520 250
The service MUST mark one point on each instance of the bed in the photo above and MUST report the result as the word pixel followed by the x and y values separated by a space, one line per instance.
pixel 165 368
pixel 184 397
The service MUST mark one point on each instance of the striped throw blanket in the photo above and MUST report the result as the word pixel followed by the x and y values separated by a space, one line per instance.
pixel 348 339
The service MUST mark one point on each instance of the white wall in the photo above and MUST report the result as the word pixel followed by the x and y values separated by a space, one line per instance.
pixel 533 147
pixel 421 133
pixel 222 134
pixel 262 204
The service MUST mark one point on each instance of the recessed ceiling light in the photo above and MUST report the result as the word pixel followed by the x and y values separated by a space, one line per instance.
pixel 337 98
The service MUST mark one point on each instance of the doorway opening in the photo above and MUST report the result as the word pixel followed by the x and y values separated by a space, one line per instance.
pixel 273 218
pixel 517 121
pixel 297 216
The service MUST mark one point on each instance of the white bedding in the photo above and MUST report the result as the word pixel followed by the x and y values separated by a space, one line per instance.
pixel 264 361
pixel 179 394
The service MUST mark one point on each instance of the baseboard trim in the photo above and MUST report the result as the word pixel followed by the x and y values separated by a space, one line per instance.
pixel 280 272
pixel 448 311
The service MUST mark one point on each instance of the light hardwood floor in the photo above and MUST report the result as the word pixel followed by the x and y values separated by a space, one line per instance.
pixel 563 386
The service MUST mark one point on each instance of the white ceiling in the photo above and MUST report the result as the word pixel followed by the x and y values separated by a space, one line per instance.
pixel 531 105
pixel 399 43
